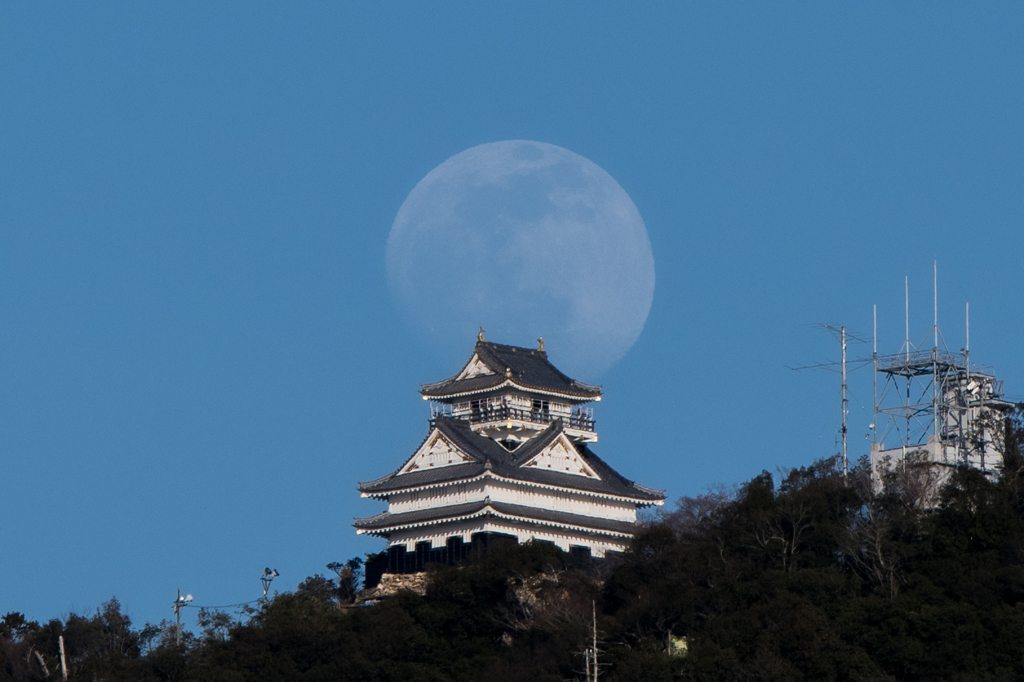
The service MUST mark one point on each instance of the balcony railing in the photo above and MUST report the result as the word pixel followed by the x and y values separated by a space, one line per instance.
pixel 505 413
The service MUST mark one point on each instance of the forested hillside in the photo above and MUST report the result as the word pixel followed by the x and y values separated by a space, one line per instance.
pixel 797 577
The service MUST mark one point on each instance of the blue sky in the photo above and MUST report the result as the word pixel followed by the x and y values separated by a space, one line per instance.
pixel 199 355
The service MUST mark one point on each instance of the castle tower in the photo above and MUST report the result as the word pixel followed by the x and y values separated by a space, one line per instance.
pixel 507 455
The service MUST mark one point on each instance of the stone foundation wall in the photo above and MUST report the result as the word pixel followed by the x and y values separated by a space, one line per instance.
pixel 393 583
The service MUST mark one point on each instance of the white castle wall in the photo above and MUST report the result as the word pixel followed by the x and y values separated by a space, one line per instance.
pixel 438 535
pixel 513 493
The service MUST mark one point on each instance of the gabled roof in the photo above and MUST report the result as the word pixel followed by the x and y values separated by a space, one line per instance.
pixel 386 521
pixel 489 457
pixel 524 368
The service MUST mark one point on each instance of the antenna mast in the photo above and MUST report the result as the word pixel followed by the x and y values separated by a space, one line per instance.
pixel 874 374
pixel 843 336
pixel 906 315
pixel 846 411
pixel 936 393
pixel 967 339
pixel 935 303
pixel 906 346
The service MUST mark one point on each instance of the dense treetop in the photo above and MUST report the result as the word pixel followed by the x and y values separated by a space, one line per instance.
pixel 803 575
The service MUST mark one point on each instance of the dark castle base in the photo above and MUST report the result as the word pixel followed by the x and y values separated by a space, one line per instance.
pixel 398 560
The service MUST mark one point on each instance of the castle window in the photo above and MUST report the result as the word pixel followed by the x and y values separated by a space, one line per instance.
pixel 541 410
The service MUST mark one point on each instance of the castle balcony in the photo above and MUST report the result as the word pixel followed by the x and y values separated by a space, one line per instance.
pixel 576 420
pixel 576 423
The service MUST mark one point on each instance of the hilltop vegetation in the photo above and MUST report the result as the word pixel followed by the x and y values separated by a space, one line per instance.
pixel 807 578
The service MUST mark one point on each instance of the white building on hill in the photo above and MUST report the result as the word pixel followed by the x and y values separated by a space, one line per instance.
pixel 507 455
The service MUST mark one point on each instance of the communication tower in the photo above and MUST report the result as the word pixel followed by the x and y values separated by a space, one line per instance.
pixel 935 402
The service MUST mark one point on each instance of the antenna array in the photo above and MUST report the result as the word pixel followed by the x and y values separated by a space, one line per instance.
pixel 935 401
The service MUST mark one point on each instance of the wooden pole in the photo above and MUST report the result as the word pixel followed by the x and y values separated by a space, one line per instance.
pixel 593 606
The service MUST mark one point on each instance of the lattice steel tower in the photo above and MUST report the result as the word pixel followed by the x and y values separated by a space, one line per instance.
pixel 935 402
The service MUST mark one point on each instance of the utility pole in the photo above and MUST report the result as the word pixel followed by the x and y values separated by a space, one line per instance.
pixel 593 606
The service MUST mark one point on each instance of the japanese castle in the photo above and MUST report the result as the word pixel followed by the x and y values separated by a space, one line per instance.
pixel 508 454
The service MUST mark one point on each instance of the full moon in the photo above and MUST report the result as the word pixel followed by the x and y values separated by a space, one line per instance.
pixel 524 239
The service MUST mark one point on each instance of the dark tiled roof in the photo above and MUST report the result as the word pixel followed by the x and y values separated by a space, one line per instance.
pixel 389 520
pixel 527 368
pixel 386 520
pixel 487 455
pixel 563 518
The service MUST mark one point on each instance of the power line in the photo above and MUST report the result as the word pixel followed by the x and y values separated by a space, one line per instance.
pixel 225 606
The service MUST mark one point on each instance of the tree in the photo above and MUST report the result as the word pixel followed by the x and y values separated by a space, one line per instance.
pixel 350 578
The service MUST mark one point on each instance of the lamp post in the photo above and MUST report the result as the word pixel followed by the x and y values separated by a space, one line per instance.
pixel 268 575
pixel 179 604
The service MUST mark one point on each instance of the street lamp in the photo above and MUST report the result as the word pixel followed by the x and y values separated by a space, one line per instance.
pixel 268 575
pixel 179 604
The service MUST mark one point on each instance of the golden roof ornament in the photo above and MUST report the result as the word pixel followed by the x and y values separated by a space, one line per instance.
pixel 540 340
pixel 508 372
pixel 480 334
